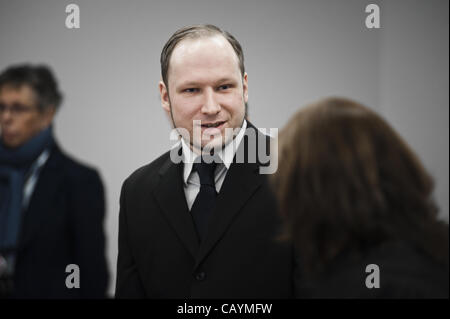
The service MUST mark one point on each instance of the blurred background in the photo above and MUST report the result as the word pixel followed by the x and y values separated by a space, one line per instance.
pixel 296 51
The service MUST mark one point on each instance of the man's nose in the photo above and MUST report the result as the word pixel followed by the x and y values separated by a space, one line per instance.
pixel 210 104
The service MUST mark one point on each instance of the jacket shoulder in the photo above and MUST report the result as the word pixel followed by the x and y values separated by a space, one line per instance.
pixel 148 171
pixel 71 167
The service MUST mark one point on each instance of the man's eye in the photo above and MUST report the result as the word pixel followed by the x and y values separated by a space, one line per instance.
pixel 191 90
pixel 224 87
pixel 18 107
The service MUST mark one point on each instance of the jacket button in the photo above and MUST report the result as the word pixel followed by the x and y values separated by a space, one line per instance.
pixel 200 276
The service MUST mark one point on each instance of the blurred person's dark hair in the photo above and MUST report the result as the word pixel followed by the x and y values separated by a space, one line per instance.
pixel 41 80
pixel 348 181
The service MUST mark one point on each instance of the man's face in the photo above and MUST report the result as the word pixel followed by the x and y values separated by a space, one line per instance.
pixel 205 84
pixel 20 119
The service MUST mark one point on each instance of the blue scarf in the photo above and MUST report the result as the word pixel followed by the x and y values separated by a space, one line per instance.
pixel 14 165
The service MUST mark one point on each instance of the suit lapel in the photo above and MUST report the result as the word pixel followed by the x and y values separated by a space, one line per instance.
pixel 170 196
pixel 241 182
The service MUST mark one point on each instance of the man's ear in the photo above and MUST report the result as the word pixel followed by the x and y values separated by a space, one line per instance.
pixel 245 87
pixel 164 93
pixel 47 116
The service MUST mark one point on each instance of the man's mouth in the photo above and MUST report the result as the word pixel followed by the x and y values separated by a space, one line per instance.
pixel 7 135
pixel 215 124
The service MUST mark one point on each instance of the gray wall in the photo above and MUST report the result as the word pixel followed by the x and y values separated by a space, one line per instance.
pixel 296 52
pixel 414 81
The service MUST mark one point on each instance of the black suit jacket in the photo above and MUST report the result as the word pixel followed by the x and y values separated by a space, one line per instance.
pixel 405 271
pixel 159 253
pixel 63 225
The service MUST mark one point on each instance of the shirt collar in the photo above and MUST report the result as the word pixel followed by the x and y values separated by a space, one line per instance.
pixel 226 154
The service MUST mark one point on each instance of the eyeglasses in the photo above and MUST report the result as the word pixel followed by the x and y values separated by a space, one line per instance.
pixel 16 109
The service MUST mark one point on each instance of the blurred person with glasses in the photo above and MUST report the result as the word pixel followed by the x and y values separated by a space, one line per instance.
pixel 51 207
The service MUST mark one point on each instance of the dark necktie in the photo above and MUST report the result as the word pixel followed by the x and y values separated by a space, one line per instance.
pixel 206 199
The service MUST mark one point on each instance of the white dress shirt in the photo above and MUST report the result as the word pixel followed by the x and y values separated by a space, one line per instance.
pixel 191 179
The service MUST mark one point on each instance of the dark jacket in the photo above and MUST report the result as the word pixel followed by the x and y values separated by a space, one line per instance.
pixel 404 272
pixel 160 256
pixel 63 225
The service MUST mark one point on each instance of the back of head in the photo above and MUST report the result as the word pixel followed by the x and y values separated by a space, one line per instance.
pixel 39 78
pixel 348 181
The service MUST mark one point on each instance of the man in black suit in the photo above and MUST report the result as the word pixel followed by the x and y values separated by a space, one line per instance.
pixel 51 207
pixel 200 221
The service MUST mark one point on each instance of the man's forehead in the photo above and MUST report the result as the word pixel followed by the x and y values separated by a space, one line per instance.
pixel 191 81
pixel 194 48
pixel 22 92
pixel 214 53
pixel 193 43
pixel 16 88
